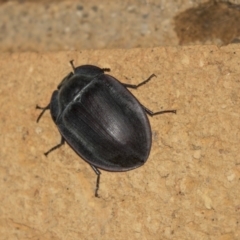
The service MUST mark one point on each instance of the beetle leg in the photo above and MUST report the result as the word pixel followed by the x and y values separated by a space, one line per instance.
pixel 148 111
pixel 55 147
pixel 73 67
pixel 151 113
pixel 135 86
pixel 43 110
pixel 98 179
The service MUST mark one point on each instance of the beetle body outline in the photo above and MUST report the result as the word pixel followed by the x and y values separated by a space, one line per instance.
pixel 101 120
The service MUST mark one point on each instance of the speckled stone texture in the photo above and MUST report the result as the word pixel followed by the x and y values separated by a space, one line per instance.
pixel 90 24
pixel 188 189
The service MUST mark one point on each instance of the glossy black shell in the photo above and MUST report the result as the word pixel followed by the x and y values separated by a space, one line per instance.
pixel 101 120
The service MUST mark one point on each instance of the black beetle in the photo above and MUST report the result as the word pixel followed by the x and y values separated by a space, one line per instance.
pixel 101 120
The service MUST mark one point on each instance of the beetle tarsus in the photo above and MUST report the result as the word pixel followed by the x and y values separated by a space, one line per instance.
pixel 43 110
pixel 97 185
pixel 151 113
pixel 55 147
pixel 135 86
pixel 98 179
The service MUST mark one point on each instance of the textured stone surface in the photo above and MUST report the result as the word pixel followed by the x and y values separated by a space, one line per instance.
pixel 90 24
pixel 68 25
pixel 189 187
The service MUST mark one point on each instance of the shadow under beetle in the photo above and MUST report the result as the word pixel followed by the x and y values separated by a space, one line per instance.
pixel 101 120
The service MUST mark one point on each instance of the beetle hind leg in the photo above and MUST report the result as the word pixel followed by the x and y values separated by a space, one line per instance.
pixel 55 147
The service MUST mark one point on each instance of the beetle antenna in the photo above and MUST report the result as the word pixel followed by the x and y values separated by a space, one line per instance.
pixel 73 67
pixel 106 69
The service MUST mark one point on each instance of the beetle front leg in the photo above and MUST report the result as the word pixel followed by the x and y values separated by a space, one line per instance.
pixel 98 179
pixel 55 147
